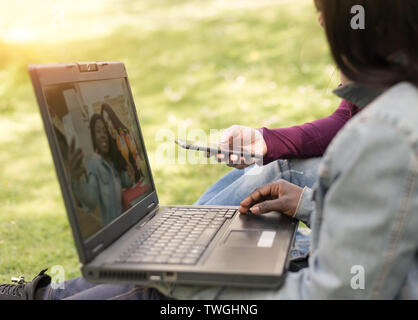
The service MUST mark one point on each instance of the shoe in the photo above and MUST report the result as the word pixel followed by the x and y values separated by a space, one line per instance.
pixel 24 290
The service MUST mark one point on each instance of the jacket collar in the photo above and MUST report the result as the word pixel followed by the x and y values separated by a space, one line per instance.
pixel 357 94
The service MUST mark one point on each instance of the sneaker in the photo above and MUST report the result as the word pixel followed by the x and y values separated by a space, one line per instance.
pixel 24 290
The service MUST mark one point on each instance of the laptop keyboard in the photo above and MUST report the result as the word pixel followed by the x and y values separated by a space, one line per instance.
pixel 177 236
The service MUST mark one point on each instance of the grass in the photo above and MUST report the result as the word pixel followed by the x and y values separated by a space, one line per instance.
pixel 191 65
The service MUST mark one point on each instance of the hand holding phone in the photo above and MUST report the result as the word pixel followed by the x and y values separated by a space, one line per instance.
pixel 239 147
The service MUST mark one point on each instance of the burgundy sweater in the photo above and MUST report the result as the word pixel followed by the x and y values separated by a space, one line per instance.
pixel 307 140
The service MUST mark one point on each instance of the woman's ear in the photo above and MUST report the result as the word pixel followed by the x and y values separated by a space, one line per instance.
pixel 321 19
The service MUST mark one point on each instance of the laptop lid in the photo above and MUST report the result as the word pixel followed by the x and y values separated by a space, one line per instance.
pixel 99 154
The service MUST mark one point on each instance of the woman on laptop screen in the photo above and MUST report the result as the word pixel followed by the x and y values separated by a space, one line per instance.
pixel 107 173
pixel 99 143
pixel 123 139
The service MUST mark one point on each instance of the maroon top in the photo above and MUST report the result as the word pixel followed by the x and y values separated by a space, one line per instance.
pixel 307 140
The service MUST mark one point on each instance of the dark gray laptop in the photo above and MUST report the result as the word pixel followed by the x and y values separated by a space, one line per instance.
pixel 121 232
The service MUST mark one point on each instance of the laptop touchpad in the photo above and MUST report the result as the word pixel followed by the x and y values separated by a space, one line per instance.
pixel 250 238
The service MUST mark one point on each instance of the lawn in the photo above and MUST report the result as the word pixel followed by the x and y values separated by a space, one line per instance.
pixel 192 64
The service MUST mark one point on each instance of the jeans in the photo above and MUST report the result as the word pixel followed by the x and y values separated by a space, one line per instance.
pixel 81 289
pixel 229 190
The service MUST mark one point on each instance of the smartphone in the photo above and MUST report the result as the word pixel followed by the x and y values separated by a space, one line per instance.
pixel 213 149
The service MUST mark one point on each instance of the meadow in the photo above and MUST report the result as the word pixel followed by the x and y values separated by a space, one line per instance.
pixel 192 65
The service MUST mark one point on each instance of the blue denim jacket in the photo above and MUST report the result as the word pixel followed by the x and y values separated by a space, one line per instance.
pixel 363 212
pixel 103 188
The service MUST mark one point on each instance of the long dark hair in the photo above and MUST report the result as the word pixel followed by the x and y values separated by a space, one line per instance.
pixel 114 153
pixel 113 117
pixel 119 126
pixel 382 54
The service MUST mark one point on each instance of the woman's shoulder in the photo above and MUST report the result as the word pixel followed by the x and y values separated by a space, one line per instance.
pixel 385 133
pixel 94 162
pixel 393 113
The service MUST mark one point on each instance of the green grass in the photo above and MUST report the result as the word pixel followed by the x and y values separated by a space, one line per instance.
pixel 265 65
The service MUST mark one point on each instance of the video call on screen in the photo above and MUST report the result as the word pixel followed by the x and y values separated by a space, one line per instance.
pixel 99 142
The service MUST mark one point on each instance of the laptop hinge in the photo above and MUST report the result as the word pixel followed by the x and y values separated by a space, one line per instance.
pixel 97 249
pixel 100 247
pixel 151 205
pixel 149 216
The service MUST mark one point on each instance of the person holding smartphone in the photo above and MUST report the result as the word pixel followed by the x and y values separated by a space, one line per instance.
pixel 291 154
pixel 367 183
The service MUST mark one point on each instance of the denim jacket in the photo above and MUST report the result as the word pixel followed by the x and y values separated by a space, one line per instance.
pixel 363 212
pixel 103 188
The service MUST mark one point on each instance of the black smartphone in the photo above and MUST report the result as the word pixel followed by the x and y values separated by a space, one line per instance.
pixel 213 149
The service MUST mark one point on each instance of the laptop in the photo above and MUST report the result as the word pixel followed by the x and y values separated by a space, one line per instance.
pixel 122 233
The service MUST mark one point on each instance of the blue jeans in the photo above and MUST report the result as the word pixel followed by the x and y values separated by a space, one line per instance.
pixel 232 188
pixel 80 289
pixel 229 190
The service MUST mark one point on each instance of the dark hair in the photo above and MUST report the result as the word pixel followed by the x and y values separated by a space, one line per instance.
pixel 113 117
pixel 114 154
pixel 120 127
pixel 94 118
pixel 367 55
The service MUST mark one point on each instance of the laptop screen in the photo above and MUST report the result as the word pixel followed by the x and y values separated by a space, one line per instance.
pixel 99 141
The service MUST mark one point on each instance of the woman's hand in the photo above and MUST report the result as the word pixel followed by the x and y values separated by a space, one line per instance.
pixel 240 138
pixel 280 195
pixel 75 160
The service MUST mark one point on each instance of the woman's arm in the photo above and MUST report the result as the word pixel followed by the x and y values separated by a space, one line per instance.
pixel 87 192
pixel 307 140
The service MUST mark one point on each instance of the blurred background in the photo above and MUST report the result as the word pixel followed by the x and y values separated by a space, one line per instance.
pixel 193 64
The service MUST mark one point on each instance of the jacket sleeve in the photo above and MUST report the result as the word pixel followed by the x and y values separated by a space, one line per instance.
pixel 305 206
